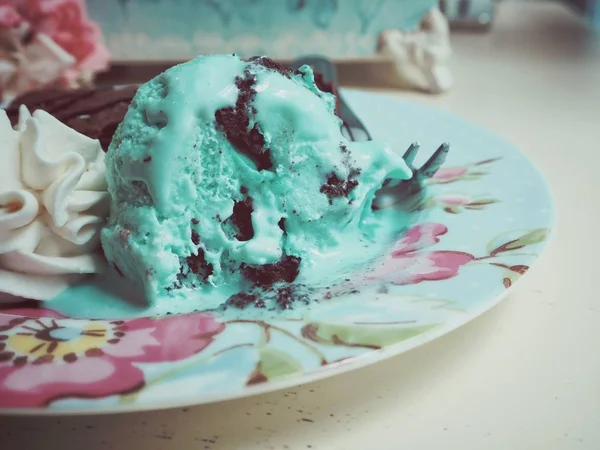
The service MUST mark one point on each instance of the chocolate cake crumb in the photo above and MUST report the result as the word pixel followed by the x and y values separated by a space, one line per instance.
pixel 195 237
pixel 336 187
pixel 195 221
pixel 346 156
pixel 288 296
pixel 242 219
pixel 279 296
pixel 241 300
pixel 234 122
pixel 281 224
pixel 175 286
pixel 147 159
pixel 198 264
pixel 285 270
pixel 268 63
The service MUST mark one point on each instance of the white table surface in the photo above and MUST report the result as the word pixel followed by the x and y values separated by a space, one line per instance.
pixel 526 375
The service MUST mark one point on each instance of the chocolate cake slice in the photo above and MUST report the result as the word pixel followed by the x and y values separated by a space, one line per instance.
pixel 94 112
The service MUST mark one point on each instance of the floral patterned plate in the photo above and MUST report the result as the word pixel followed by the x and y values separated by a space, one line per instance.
pixel 488 217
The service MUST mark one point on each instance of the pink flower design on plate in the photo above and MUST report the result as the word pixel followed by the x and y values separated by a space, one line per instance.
pixel 449 174
pixel 471 171
pixel 44 357
pixel 409 264
pixel 453 200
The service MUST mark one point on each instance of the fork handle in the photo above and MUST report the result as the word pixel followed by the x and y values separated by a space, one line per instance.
pixel 327 69
pixel 319 64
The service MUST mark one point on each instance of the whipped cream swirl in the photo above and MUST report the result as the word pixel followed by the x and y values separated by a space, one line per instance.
pixel 53 203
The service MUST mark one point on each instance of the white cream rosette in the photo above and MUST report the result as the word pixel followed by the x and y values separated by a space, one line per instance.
pixel 53 203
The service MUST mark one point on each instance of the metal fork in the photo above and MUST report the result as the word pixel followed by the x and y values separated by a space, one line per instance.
pixel 355 130
pixel 410 192
pixel 352 127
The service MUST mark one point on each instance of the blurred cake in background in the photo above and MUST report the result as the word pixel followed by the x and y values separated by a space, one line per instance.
pixel 181 29
pixel 366 30
pixel 55 43
pixel 47 43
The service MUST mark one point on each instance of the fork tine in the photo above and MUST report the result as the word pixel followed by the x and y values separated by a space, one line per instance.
pixel 436 161
pixel 350 132
pixel 350 118
pixel 411 153
pixel 346 133
pixel 327 69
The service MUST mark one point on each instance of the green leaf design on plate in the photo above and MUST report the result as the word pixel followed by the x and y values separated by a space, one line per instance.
pixel 483 202
pixel 352 335
pixel 511 273
pixel 452 209
pixel 273 363
pixel 487 161
pixel 530 238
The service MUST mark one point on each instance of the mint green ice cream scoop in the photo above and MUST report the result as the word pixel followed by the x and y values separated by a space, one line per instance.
pixel 231 172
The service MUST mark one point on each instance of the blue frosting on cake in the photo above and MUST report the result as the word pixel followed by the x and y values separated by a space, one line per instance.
pixel 176 29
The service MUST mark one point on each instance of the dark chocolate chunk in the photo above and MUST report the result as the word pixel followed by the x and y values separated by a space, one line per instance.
pixel 235 124
pixel 268 63
pixel 288 296
pixel 198 264
pixel 281 224
pixel 285 270
pixel 336 187
pixel 242 219
pixel 242 300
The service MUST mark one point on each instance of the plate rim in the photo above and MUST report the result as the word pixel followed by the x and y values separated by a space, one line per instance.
pixel 355 362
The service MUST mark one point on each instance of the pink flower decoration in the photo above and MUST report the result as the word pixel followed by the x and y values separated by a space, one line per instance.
pixel 45 358
pixel 66 32
pixel 408 264
pixel 67 23
pixel 9 17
